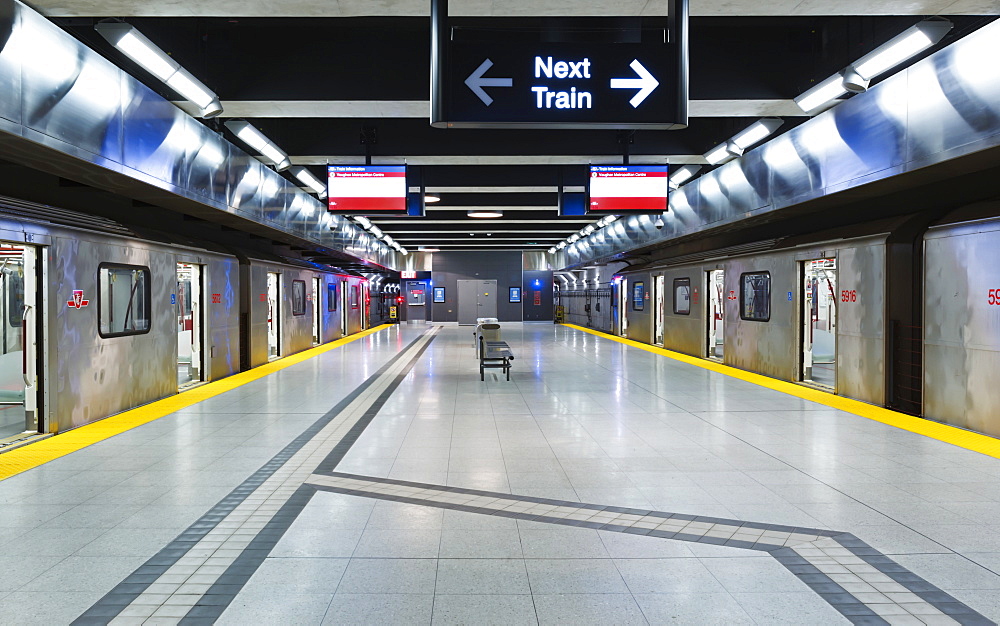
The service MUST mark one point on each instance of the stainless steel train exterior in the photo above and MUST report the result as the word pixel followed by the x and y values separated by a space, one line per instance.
pixel 93 322
pixel 957 347
pixel 961 357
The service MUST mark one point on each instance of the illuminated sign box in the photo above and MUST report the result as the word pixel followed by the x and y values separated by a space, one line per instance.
pixel 367 189
pixel 628 189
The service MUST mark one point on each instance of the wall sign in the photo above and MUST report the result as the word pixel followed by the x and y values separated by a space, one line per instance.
pixel 515 294
pixel 407 274
pixel 439 294
pixel 638 296
pixel 636 78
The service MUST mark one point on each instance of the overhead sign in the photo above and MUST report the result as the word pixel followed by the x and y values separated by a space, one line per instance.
pixel 483 80
pixel 367 189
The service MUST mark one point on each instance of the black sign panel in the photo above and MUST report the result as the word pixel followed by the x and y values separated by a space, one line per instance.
pixel 562 85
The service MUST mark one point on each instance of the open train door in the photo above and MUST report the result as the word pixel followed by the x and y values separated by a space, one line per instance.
pixel 20 356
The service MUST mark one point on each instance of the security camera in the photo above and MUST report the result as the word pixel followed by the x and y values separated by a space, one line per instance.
pixel 659 224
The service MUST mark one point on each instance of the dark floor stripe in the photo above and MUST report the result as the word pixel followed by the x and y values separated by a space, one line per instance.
pixel 108 607
pixel 221 594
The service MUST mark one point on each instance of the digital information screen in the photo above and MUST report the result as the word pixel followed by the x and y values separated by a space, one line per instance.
pixel 367 189
pixel 628 189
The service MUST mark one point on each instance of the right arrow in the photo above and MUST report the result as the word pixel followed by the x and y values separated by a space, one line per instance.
pixel 645 83
pixel 476 82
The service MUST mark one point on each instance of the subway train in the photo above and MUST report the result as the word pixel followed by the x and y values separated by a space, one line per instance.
pixel 97 319
pixel 901 313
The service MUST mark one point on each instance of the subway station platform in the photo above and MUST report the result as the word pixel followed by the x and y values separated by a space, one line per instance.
pixel 380 482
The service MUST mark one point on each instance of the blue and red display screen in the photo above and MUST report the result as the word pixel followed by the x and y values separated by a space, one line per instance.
pixel 628 189
pixel 367 189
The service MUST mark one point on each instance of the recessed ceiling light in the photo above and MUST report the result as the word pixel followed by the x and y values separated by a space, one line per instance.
pixel 485 213
pixel 429 197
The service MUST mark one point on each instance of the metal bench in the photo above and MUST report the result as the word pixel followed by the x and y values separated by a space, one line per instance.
pixel 495 354
pixel 491 351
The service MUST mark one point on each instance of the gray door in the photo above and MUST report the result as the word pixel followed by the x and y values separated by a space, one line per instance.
pixel 467 302
pixel 476 298
pixel 487 298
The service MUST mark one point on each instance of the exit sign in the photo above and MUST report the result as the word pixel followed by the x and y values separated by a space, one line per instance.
pixel 406 274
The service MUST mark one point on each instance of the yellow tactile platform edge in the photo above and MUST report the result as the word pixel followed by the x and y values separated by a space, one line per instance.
pixel 30 456
pixel 969 440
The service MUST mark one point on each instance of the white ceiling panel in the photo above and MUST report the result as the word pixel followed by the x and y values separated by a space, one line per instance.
pixel 574 159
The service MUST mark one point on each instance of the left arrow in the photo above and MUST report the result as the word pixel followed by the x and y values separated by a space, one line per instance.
pixel 476 82
pixel 645 83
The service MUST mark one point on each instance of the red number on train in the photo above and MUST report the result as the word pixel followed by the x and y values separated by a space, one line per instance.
pixel 849 296
pixel 994 296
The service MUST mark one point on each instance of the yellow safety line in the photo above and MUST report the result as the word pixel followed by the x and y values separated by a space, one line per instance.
pixel 31 456
pixel 969 440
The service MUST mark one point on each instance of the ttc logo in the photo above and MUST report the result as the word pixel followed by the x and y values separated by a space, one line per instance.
pixel 77 302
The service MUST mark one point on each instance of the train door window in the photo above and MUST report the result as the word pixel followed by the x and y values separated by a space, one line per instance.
pixel 21 341
pixel 682 296
pixel 355 296
pixel 273 315
pixel 755 296
pixel 716 313
pixel 188 307
pixel 365 306
pixel 317 312
pixel 819 322
pixel 298 297
pixel 123 302
pixel 331 297
pixel 658 288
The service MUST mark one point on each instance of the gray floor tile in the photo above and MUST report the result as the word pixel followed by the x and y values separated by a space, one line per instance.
pixel 484 609
pixel 276 608
pixel 692 608
pixel 380 609
pixel 587 608
pixel 756 574
pixel 399 544
pixel 667 575
pixel 569 576
pixel 480 544
pixel 303 542
pixel 300 575
pixel 803 607
pixel 389 576
pixel 557 542
pixel 482 576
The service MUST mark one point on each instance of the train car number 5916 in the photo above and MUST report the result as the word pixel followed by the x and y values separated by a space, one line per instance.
pixel 994 297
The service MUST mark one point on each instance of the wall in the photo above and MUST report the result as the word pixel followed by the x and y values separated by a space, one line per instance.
pixel 450 267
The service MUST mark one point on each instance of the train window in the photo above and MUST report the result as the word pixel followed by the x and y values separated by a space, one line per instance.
pixel 638 296
pixel 682 296
pixel 755 296
pixel 123 303
pixel 331 297
pixel 298 297
pixel 355 296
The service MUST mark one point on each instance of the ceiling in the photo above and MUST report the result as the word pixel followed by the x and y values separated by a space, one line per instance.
pixel 312 74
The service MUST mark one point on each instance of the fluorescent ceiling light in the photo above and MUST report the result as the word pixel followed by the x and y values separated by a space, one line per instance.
pixel 910 42
pixel 309 180
pixel 756 132
pixel 259 142
pixel 485 213
pixel 589 228
pixel 151 58
pixel 718 155
pixel 432 198
pixel 363 221
pixel 828 90
pixel 403 251
pixel 388 241
pixel 560 245
pixel 552 250
pixel 683 175
pixel 423 249
pixel 376 231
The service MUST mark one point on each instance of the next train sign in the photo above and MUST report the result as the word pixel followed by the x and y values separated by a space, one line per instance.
pixel 482 80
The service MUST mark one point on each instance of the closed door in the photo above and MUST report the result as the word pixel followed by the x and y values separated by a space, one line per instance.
pixel 476 299
pixel 416 301
pixel 658 288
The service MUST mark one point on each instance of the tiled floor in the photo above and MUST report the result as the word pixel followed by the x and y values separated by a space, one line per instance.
pixel 583 420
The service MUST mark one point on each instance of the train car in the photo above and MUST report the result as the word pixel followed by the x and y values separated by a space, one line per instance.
pixel 96 318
